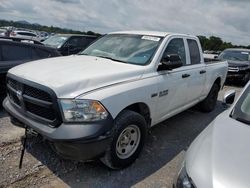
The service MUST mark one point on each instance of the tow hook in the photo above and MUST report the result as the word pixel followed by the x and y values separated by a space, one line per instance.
pixel 28 132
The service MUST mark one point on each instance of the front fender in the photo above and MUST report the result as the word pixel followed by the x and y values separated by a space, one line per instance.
pixel 115 98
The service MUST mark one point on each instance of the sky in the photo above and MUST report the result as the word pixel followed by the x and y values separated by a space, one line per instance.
pixel 228 19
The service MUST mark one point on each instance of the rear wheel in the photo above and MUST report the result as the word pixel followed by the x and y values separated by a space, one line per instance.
pixel 128 140
pixel 209 103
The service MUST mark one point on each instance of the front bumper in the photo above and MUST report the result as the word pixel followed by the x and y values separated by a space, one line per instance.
pixel 240 75
pixel 73 141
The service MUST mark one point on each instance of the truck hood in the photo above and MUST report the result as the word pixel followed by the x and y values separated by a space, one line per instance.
pixel 72 76
pixel 220 156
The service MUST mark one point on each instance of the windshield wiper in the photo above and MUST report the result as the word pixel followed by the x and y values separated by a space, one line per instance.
pixel 106 57
pixel 242 120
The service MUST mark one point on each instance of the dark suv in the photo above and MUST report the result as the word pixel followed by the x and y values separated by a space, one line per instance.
pixel 14 52
pixel 238 64
pixel 68 44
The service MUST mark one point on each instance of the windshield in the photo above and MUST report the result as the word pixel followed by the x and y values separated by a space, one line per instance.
pixel 132 49
pixel 241 111
pixel 55 41
pixel 235 55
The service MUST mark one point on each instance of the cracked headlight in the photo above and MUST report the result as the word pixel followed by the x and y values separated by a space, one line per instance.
pixel 75 110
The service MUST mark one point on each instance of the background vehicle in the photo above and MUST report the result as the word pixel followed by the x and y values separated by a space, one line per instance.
pixel 239 64
pixel 24 34
pixel 43 36
pixel 13 53
pixel 219 156
pixel 210 57
pixel 3 32
pixel 68 44
pixel 110 94
pixel 21 40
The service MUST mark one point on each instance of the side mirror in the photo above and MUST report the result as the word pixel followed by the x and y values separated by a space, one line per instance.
pixel 229 97
pixel 170 62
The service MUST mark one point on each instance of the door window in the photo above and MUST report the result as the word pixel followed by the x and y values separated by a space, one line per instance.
pixel 194 52
pixel 176 46
pixel 15 53
pixel 40 54
pixel 85 41
pixel 74 42
pixel 26 34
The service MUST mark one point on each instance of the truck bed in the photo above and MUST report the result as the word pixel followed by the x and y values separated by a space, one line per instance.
pixel 210 61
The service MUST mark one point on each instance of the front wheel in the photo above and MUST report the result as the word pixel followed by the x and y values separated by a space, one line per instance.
pixel 128 140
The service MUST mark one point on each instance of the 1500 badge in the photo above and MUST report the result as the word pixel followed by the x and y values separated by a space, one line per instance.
pixel 163 93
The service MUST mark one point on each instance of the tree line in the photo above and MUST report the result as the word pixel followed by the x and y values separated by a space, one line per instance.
pixel 49 29
pixel 211 43
pixel 217 44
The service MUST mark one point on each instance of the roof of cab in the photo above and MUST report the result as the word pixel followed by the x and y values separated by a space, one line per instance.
pixel 70 35
pixel 150 33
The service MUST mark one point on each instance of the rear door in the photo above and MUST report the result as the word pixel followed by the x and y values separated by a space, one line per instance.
pixel 38 53
pixel 14 54
pixel 197 71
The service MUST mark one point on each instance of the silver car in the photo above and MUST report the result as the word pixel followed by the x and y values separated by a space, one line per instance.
pixel 220 156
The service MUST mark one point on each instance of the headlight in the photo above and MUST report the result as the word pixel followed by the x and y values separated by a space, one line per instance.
pixel 82 110
pixel 183 181
pixel 243 68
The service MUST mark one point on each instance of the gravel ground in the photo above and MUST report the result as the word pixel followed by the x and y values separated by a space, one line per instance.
pixel 156 167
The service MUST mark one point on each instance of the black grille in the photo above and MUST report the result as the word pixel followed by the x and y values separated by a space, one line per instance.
pixel 14 98
pixel 13 84
pixel 37 93
pixel 46 113
pixel 35 101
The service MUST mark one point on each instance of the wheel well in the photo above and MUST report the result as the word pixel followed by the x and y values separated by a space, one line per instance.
pixel 218 82
pixel 142 109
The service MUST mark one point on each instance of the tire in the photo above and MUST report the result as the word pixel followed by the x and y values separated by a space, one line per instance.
pixel 128 140
pixel 209 103
pixel 246 79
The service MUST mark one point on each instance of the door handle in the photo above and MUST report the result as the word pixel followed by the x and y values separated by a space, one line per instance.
pixel 185 75
pixel 202 71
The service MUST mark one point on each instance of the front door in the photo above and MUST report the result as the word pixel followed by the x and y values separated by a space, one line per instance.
pixel 173 85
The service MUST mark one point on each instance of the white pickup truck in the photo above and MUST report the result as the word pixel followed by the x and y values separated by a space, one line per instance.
pixel 101 102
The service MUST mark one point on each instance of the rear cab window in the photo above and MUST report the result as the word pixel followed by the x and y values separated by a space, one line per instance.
pixel 194 52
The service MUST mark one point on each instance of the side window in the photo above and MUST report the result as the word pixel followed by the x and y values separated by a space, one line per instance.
pixel 39 54
pixel 176 46
pixel 73 42
pixel 194 52
pixel 15 53
pixel 27 34
pixel 85 41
